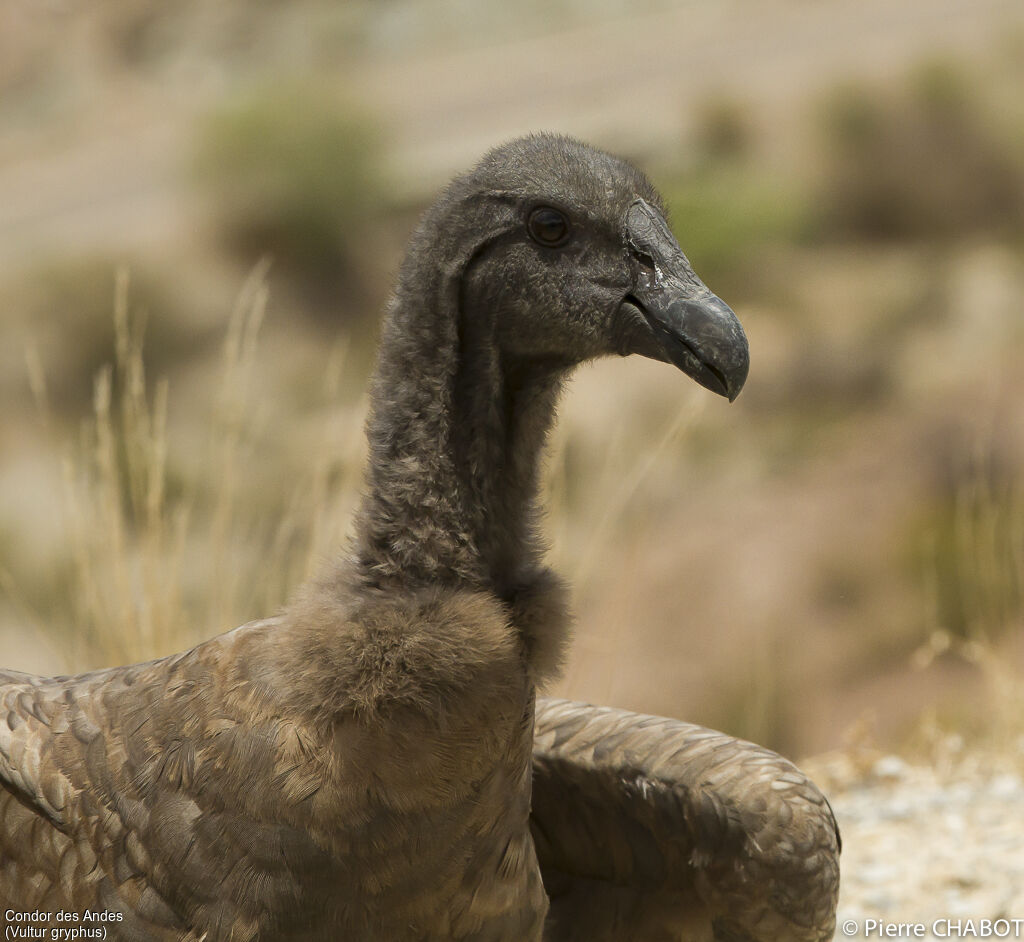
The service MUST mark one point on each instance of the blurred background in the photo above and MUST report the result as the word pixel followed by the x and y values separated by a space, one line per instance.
pixel 202 207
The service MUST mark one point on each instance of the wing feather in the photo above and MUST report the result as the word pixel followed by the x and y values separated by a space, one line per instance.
pixel 100 774
pixel 642 818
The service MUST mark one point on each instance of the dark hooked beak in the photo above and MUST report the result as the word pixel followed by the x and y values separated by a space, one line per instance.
pixel 689 326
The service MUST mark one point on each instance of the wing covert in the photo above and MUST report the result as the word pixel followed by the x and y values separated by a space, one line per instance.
pixel 625 802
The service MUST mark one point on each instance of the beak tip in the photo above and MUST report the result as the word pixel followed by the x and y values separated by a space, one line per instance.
pixel 722 369
pixel 739 380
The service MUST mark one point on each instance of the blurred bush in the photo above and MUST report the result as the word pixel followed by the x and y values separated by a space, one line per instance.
pixel 722 215
pixel 921 163
pixel 971 543
pixel 723 130
pixel 62 308
pixel 724 205
pixel 292 173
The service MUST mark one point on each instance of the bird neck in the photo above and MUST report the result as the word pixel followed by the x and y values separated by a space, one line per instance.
pixel 456 433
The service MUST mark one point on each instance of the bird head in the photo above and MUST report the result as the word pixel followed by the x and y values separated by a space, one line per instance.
pixel 571 258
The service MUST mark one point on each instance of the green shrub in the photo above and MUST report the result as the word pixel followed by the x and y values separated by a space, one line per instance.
pixel 723 130
pixel 722 215
pixel 62 310
pixel 293 174
pixel 969 542
pixel 920 163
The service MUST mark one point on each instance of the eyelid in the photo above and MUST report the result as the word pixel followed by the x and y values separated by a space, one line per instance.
pixel 562 217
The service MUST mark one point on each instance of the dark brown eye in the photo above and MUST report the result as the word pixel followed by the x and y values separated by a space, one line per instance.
pixel 548 226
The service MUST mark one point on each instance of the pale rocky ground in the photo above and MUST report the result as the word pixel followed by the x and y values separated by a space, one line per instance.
pixel 927 843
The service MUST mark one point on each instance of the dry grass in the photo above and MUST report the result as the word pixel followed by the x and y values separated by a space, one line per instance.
pixel 975 581
pixel 159 565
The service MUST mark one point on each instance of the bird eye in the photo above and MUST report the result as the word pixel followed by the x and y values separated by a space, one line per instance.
pixel 548 226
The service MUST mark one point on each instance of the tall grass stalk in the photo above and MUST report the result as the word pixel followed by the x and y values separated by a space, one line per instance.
pixel 126 542
pixel 232 424
pixel 156 572
pixel 984 559
pixel 989 530
pixel 623 474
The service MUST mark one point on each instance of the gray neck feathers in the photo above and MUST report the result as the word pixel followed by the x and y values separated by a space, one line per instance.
pixel 455 431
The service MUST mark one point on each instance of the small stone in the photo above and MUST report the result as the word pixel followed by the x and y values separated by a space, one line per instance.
pixel 889 767
pixel 1006 786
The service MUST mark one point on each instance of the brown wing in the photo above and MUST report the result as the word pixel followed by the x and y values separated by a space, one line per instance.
pixel 312 779
pixel 66 841
pixel 120 791
pixel 649 828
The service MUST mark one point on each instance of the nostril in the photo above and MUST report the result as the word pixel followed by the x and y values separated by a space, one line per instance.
pixel 645 260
